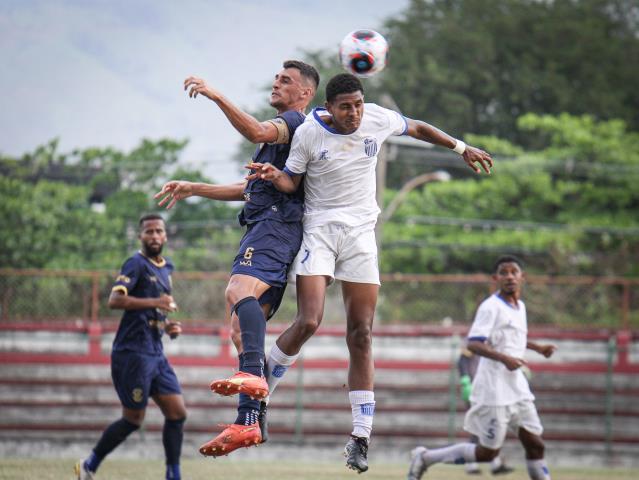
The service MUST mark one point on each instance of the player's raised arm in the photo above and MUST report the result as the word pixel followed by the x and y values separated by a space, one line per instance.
pixel 176 190
pixel 250 128
pixel 471 155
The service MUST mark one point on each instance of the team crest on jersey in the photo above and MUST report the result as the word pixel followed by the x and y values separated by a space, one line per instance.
pixel 324 155
pixel 137 395
pixel 370 146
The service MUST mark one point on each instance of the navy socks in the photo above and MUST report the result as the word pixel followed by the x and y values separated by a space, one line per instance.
pixel 112 436
pixel 253 331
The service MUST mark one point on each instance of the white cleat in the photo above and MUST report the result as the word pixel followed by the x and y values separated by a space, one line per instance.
pixel 81 473
pixel 417 463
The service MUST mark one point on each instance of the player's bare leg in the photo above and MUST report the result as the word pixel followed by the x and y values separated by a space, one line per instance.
pixel 535 463
pixel 360 300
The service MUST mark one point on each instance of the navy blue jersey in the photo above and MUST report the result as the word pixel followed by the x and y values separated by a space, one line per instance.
pixel 141 330
pixel 262 200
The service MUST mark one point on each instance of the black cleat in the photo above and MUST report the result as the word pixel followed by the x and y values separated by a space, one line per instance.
pixel 263 422
pixel 503 469
pixel 356 453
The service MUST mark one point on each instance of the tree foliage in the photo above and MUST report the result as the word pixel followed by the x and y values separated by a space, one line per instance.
pixel 569 207
pixel 477 65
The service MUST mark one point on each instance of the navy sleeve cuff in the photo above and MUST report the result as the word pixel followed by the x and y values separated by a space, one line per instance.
pixel 477 339
pixel 291 174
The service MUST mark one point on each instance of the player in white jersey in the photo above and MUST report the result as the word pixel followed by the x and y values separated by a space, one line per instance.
pixel 501 397
pixel 336 152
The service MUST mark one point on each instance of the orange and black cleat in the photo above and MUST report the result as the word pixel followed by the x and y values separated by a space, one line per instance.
pixel 232 437
pixel 242 382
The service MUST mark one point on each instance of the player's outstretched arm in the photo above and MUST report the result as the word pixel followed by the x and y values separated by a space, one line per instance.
pixel 250 128
pixel 176 190
pixel 546 350
pixel 471 155
pixel 281 180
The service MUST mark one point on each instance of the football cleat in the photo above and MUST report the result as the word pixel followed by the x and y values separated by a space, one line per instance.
pixel 262 421
pixel 502 470
pixel 82 473
pixel 356 453
pixel 232 437
pixel 242 382
pixel 417 464
pixel 473 469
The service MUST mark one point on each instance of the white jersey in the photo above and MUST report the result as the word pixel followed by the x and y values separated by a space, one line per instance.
pixel 505 328
pixel 340 169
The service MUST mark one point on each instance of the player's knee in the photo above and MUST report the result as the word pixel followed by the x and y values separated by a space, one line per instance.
pixel 307 325
pixel 134 417
pixel 484 454
pixel 360 337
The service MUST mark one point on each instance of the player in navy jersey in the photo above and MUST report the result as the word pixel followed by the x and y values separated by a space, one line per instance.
pixel 272 239
pixel 139 367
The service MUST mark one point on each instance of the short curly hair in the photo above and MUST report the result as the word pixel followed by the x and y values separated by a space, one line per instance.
pixel 342 83
pixel 508 259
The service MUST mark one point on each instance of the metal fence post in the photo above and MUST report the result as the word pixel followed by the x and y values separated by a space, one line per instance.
pixel 609 415
pixel 452 387
pixel 299 401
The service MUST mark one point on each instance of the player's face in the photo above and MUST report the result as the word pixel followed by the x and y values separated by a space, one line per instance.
pixel 347 110
pixel 289 90
pixel 153 237
pixel 509 278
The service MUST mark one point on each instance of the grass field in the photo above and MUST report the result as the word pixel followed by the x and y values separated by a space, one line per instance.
pixel 201 469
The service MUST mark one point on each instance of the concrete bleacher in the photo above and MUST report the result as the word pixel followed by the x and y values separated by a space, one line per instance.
pixel 61 409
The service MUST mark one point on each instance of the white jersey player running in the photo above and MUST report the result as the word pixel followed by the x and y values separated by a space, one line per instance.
pixel 501 397
pixel 335 150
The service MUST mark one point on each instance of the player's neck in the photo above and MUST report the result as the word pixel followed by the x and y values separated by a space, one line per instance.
pixel 510 298
pixel 292 108
pixel 156 258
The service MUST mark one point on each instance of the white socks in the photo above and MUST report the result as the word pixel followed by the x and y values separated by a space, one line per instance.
pixel 276 366
pixel 458 453
pixel 538 470
pixel 363 408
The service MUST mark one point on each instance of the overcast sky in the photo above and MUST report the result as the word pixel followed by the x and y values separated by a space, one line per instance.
pixel 110 72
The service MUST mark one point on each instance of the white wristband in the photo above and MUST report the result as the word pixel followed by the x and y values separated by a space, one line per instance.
pixel 460 147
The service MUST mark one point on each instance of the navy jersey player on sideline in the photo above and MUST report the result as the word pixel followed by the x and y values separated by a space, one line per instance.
pixel 272 239
pixel 138 366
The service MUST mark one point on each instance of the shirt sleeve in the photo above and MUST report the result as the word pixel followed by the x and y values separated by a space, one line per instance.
pixel 397 122
pixel 483 324
pixel 286 124
pixel 128 277
pixel 299 157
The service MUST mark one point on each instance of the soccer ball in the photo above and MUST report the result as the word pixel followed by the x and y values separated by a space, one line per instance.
pixel 363 53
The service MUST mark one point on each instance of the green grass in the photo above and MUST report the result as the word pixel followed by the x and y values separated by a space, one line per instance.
pixel 201 469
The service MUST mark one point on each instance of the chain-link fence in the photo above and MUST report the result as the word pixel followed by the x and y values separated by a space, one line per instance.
pixel 40 296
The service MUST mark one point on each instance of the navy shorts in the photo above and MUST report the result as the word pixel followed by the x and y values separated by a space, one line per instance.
pixel 266 252
pixel 138 376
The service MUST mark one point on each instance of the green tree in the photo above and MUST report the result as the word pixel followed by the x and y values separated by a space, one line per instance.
pixel 569 207
pixel 477 65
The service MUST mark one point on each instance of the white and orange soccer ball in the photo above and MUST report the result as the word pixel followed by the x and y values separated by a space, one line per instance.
pixel 363 53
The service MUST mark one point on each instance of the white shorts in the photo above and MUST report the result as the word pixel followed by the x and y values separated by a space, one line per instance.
pixel 339 252
pixel 491 423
